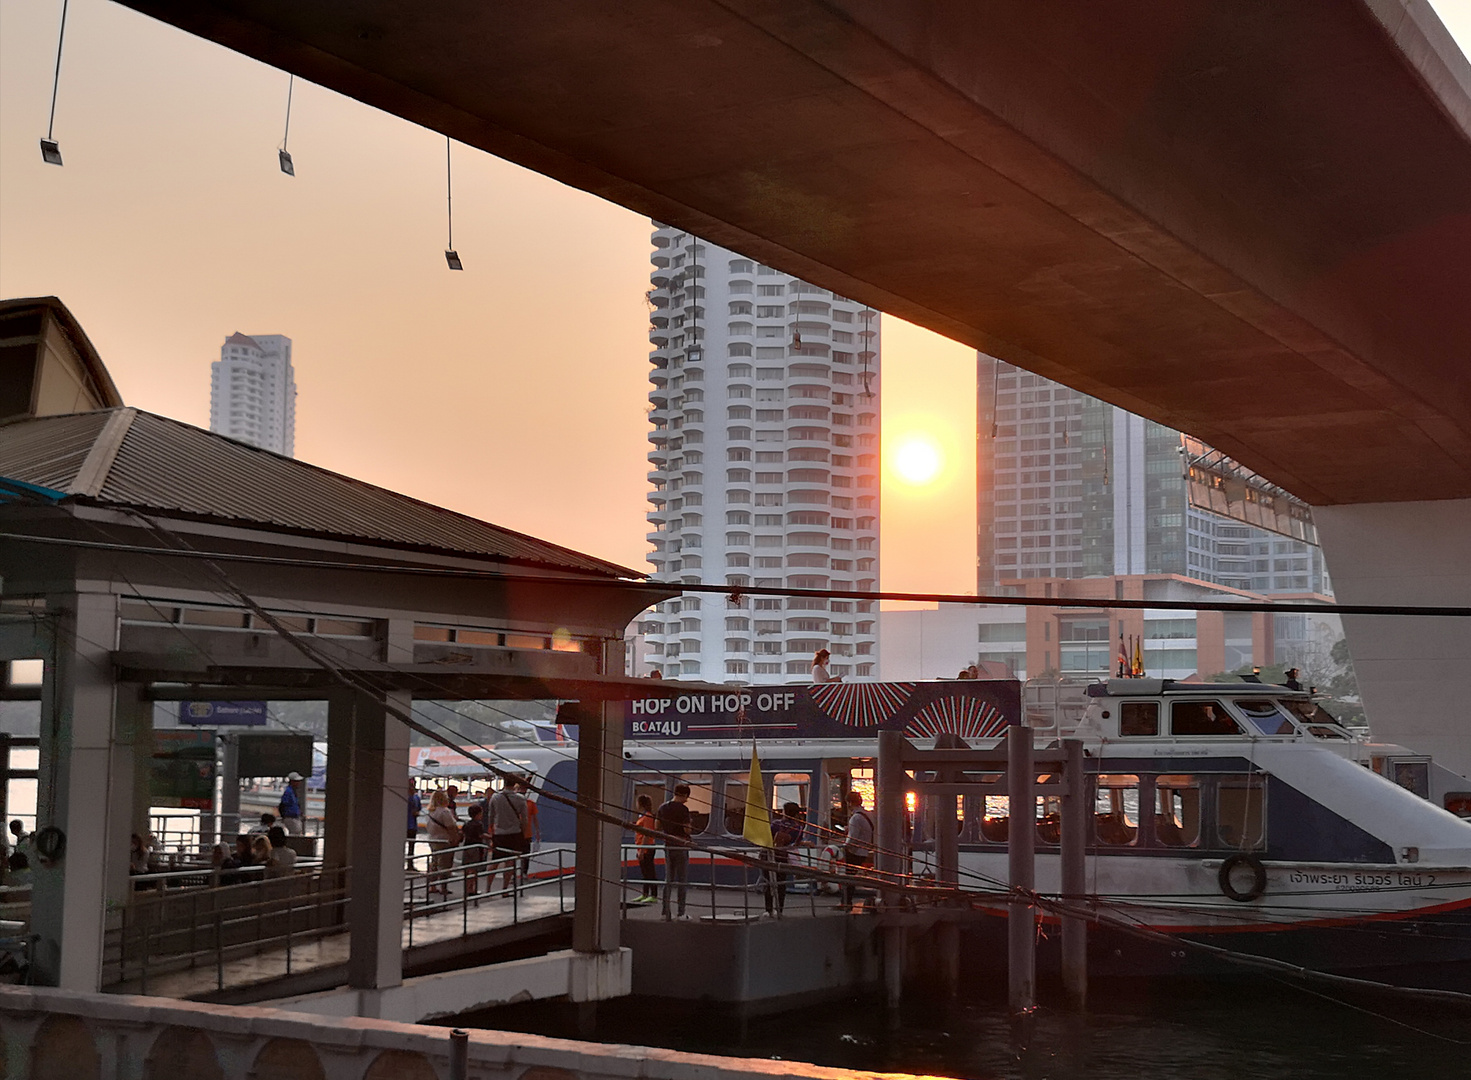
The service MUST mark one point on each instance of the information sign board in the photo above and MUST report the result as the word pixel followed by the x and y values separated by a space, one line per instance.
pixel 183 772
pixel 262 754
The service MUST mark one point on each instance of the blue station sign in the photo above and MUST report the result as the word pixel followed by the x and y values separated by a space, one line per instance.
pixel 223 713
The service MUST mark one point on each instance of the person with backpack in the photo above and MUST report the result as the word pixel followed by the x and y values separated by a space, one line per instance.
pixel 857 844
pixel 509 829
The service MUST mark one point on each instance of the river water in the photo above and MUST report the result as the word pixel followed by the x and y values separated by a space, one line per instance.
pixel 1254 1029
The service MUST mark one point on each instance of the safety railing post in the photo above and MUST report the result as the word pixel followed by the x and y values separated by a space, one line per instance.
pixel 290 914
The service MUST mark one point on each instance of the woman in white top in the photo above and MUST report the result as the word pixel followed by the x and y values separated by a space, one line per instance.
pixel 443 830
pixel 820 673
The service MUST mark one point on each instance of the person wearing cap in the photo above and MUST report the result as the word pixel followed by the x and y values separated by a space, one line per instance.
pixel 1289 679
pixel 289 808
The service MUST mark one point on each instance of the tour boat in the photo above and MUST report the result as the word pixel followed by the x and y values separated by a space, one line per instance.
pixel 1229 821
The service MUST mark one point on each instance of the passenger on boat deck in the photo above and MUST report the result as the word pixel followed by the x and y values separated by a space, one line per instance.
pixel 266 821
pixel 1289 679
pixel 820 673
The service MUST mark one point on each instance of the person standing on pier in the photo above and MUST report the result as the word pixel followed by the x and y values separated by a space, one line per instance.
pixel 857 845
pixel 674 822
pixel 644 841
pixel 444 836
pixel 290 805
pixel 508 823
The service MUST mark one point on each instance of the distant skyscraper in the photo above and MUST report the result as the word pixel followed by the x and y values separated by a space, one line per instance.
pixel 1070 486
pixel 253 392
pixel 765 466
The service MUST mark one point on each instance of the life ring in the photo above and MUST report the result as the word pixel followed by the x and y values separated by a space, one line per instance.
pixel 50 843
pixel 1258 877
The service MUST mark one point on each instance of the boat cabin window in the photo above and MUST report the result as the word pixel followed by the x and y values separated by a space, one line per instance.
pixel 1413 776
pixel 1139 718
pixel 1201 718
pixel 1177 811
pixel 1266 717
pixel 1241 804
pixel 1116 809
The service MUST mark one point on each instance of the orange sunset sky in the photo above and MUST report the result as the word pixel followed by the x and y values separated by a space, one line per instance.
pixel 515 391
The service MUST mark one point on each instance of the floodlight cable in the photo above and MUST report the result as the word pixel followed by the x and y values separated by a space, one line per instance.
pixel 451 256
pixel 283 154
pixel 50 151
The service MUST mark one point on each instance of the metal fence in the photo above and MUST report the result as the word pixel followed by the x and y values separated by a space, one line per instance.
pixel 464 878
pixel 181 920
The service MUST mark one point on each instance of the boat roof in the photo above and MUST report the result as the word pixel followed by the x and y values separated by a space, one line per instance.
pixel 1145 687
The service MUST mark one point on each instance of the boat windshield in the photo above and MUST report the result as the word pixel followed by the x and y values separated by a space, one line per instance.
pixel 1266 717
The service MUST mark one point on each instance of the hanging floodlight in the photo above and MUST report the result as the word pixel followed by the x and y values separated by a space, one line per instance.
pixel 451 256
pixel 50 148
pixel 282 154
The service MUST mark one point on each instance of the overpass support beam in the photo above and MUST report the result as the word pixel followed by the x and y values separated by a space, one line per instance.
pixel 1411 670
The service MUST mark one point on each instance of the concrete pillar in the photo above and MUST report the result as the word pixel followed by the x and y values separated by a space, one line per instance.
pixel 889 805
pixel 78 793
pixel 131 775
pixel 1021 954
pixel 1076 828
pixel 1411 670
pixel 595 923
pixel 337 830
pixel 379 760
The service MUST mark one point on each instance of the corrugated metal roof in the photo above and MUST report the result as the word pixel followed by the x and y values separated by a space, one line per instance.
pixel 167 466
pixel 49 450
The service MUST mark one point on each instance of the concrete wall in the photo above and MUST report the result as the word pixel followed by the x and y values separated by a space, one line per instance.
pixel 60 1035
pixel 763 961
pixel 564 974
pixel 1411 670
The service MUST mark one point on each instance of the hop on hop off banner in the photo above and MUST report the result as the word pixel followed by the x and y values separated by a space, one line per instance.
pixel 972 709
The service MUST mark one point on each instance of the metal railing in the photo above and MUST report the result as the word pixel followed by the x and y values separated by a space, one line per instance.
pixel 742 880
pixel 177 921
pixel 465 877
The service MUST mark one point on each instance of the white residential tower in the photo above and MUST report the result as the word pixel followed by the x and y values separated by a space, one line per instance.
pixel 253 392
pixel 765 467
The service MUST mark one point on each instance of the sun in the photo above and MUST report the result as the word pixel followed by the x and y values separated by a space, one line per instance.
pixel 917 459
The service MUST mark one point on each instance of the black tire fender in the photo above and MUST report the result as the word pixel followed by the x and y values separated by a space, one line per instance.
pixel 1258 879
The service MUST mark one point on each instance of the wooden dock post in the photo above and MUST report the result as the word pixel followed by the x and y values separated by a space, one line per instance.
pixel 1075 822
pixel 1021 952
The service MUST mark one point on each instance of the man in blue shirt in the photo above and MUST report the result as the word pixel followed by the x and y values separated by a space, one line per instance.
pixel 289 808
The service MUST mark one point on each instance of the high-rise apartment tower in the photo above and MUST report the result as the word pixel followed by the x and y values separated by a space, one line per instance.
pixel 253 392
pixel 765 467
pixel 1070 486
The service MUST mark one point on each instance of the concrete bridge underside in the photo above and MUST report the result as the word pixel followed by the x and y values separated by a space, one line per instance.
pixel 1250 221
pixel 1244 220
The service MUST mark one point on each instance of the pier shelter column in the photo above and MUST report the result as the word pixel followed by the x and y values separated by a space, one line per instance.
pixel 337 803
pixel 379 764
pixel 595 922
pixel 81 792
pixel 132 775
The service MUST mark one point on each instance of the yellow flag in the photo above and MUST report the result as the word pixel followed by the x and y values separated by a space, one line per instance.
pixel 758 817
